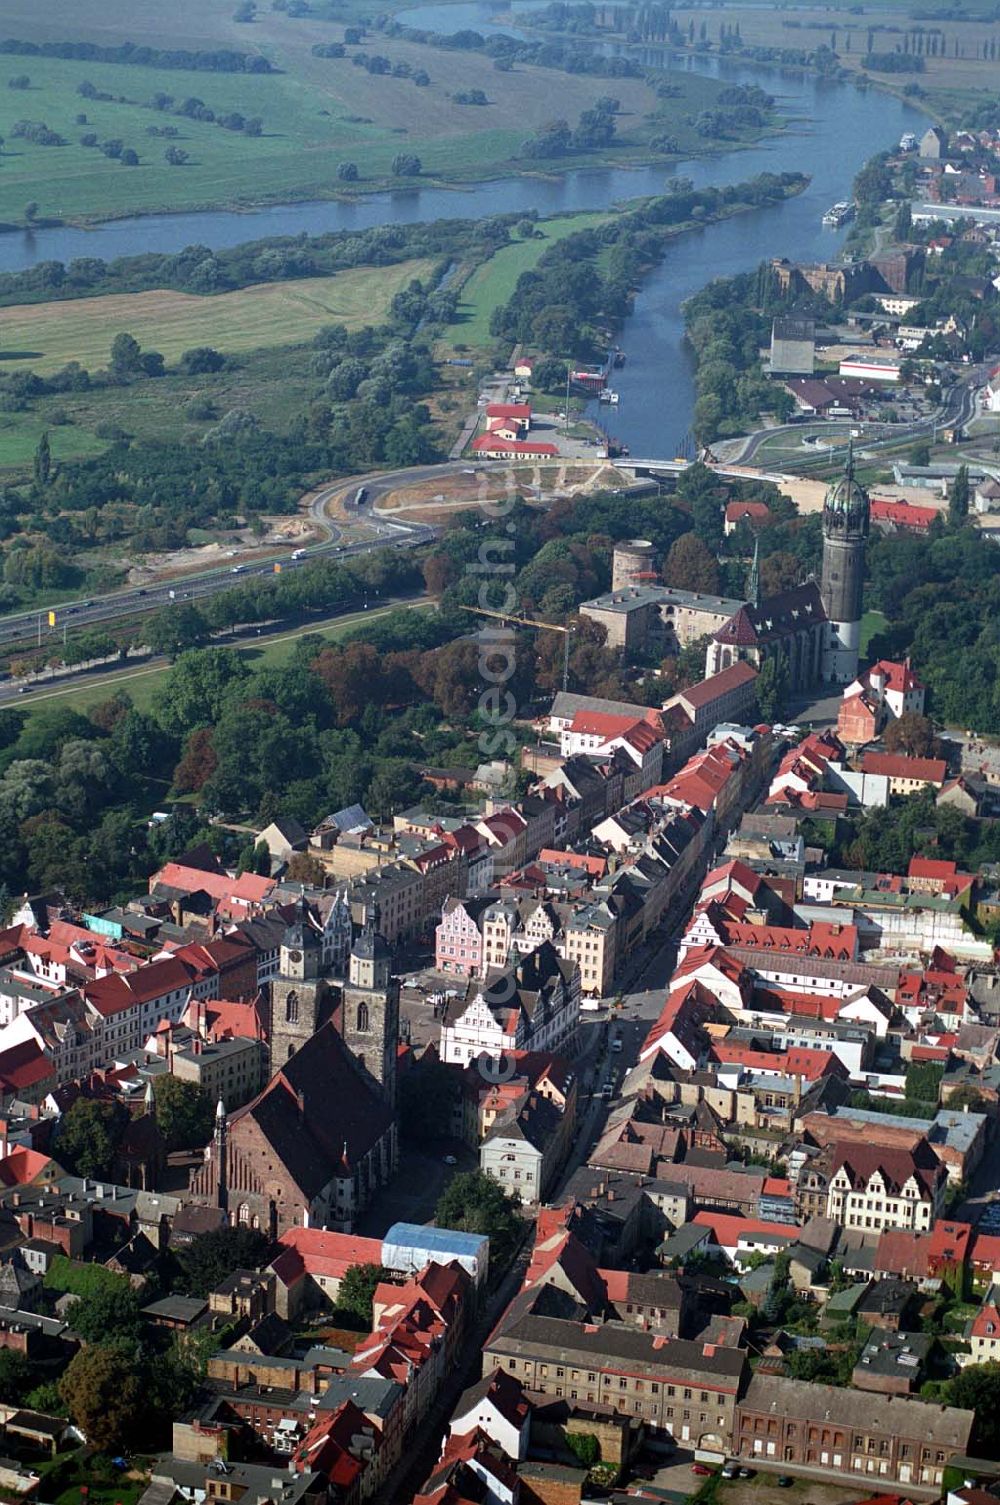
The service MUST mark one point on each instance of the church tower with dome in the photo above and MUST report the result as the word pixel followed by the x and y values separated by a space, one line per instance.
pixel 846 519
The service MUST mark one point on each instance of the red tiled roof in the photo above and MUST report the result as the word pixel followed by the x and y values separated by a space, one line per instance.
pixel 490 442
pixel 898 676
pixel 595 866
pixel 777 1186
pixel 728 1228
pixel 756 511
pixel 509 410
pixel 717 685
pixel 821 939
pixel 950 1240
pixel 327 1254
pixel 903 514
pixel 23 1066
pixel 985 1250
pixel 734 871
pixel 23 1166
pixel 601 724
pixel 797 1060
pixel 899 766
pixel 249 887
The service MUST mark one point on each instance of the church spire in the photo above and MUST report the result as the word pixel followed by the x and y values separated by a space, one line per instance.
pixel 753 586
pixel 221 1135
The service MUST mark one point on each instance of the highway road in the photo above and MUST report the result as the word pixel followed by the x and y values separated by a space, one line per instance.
pixel 958 407
pixel 22 627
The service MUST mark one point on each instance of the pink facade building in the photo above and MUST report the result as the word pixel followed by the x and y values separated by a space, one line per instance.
pixel 458 940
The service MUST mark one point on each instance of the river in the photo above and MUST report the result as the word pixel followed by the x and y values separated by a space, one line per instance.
pixel 834 128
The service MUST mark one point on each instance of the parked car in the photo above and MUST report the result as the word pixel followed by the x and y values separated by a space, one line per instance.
pixel 701 1470
pixel 785 1481
pixel 730 1471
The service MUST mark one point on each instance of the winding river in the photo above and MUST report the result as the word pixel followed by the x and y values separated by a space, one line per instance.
pixel 833 129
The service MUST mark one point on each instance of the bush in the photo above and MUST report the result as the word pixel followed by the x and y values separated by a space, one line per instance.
pixel 584 1446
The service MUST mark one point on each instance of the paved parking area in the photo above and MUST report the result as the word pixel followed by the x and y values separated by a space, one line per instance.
pixel 413 1192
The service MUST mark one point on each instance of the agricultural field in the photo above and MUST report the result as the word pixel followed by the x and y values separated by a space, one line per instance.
pixel 42 337
pixel 494 282
pixel 314 113
pixel 954 82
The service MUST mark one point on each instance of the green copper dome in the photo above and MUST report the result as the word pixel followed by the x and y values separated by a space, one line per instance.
pixel 846 496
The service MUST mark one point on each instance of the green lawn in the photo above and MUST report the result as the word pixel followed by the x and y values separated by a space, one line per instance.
pixel 872 622
pixel 493 283
pixel 45 336
pixel 20 433
pixel 142 683
pixel 267 382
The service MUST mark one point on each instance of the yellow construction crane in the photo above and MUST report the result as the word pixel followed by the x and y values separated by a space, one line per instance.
pixel 518 619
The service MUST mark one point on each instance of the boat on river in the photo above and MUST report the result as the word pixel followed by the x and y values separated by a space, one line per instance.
pixel 839 214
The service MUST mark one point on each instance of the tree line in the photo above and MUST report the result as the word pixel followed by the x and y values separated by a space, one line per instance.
pixel 219 60
pixel 199 269
pixel 568 304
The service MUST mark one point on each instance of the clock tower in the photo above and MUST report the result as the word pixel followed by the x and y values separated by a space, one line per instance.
pixel 300 999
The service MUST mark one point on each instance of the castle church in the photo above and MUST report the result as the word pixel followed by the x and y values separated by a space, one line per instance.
pixel 814 630
pixel 315 1146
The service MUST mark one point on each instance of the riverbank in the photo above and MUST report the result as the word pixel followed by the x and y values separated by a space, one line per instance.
pixel 838 129
pixel 105 141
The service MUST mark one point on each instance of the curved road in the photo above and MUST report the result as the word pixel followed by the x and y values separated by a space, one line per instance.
pixel 957 409
pixel 134 601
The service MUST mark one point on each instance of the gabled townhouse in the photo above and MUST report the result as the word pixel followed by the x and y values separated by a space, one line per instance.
pixel 872 1188
pixel 472 1470
pixel 585 933
pixel 458 939
pixel 589 787
pixel 416 1336
pixel 525 1147
pixel 506 833
pixel 498 1407
pixel 132 1006
pixel 534 1005
pixel 983 1330
pixel 482 1102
